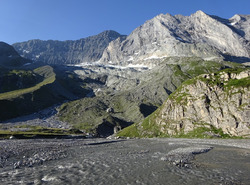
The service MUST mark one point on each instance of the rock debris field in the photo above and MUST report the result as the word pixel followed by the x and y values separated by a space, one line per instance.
pixel 124 161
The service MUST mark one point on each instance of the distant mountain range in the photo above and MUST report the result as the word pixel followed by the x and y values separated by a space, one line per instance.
pixel 200 35
pixel 88 49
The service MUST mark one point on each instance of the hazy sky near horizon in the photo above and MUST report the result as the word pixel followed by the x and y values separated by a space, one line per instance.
pixel 22 20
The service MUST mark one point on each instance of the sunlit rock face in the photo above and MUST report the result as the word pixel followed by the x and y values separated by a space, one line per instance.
pixel 218 100
pixel 202 35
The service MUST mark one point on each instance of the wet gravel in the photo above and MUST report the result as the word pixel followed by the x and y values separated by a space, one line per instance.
pixel 44 118
pixel 182 157
pixel 132 161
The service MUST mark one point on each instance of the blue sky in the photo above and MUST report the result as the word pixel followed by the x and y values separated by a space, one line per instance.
pixel 22 20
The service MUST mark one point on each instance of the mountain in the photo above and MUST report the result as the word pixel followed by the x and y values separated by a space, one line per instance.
pixel 7 51
pixel 200 35
pixel 88 49
pixel 26 87
pixel 210 105
pixel 9 58
pixel 117 80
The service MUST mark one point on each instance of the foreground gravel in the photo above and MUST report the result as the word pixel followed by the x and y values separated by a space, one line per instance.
pixel 133 161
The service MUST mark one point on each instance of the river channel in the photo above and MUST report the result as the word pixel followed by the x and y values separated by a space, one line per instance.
pixel 124 161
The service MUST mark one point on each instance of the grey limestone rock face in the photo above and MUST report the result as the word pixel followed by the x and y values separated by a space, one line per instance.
pixel 203 103
pixel 202 35
pixel 89 49
pixel 241 24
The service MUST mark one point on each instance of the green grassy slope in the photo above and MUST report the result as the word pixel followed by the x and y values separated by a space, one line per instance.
pixel 149 128
pixel 48 77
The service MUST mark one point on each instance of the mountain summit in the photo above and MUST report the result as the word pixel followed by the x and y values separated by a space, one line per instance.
pixel 200 34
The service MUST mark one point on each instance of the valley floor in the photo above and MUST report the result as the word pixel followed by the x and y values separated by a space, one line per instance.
pixel 132 161
pixel 44 118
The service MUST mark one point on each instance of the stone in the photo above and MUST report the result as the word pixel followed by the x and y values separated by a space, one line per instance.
pixel 12 137
pixel 110 110
pixel 209 105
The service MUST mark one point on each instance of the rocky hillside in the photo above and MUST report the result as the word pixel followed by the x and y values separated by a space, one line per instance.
pixel 200 35
pixel 27 87
pixel 131 94
pixel 210 105
pixel 9 58
pixel 89 49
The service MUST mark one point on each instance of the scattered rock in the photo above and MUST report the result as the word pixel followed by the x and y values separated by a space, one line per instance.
pixel 182 157
pixel 12 137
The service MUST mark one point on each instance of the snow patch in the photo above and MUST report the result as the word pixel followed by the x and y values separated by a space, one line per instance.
pixel 26 51
pixel 232 23
pixel 136 66
pixel 111 66
pixel 154 57
pixel 210 58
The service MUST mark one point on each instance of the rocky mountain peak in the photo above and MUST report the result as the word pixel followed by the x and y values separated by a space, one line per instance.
pixel 199 13
pixel 236 18
pixel 200 34
pixel 109 33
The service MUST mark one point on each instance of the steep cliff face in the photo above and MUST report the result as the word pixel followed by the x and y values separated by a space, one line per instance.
pixel 216 104
pixel 220 100
pixel 89 49
pixel 199 35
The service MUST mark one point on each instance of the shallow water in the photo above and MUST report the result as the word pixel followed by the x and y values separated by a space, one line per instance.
pixel 102 161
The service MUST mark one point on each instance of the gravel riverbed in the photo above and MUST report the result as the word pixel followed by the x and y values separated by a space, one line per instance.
pixel 44 118
pixel 132 161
